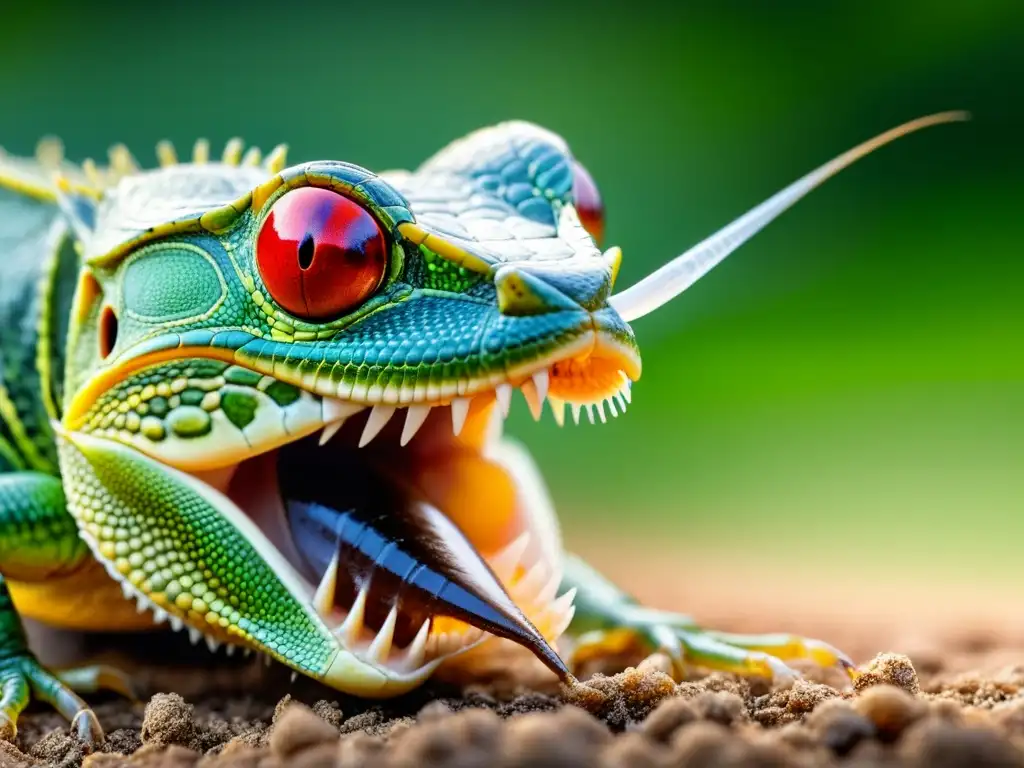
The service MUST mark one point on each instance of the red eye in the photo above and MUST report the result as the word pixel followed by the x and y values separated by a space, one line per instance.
pixel 588 202
pixel 320 254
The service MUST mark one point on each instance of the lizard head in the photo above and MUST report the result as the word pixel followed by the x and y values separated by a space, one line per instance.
pixel 285 390
pixel 320 360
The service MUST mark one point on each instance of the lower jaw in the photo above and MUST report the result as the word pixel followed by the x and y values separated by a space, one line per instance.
pixel 485 484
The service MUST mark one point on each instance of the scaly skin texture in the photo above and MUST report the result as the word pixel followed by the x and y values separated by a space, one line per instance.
pixel 145 362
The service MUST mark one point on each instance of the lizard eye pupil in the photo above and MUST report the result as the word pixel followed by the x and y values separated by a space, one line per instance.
pixel 320 254
pixel 588 202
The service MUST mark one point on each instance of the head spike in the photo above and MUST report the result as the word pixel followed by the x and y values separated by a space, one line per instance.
pixel 233 151
pixel 121 161
pixel 166 154
pixel 277 159
pixel 92 173
pixel 253 157
pixel 50 152
pixel 669 281
pixel 201 152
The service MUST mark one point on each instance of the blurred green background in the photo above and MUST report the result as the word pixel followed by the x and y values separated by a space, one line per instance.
pixel 850 384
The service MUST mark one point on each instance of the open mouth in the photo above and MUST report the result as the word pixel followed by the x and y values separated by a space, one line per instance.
pixel 419 533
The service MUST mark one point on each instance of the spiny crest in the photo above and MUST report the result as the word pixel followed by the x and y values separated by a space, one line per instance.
pixel 232 155
pixel 121 162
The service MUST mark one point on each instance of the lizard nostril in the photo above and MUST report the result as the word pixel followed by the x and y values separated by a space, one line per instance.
pixel 107 331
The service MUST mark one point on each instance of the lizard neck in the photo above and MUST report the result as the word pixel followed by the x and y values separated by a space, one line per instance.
pixel 40 269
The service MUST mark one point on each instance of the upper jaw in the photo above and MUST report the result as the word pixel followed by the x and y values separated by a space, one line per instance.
pixel 596 371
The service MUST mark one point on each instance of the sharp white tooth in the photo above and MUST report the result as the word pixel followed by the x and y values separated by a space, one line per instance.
pixel 600 411
pixel 194 636
pixel 541 380
pixel 443 644
pixel 590 412
pixel 381 645
pixel 557 410
pixel 531 584
pixel 562 624
pixel 621 401
pixel 126 588
pixel 535 404
pixel 414 418
pixel 142 606
pixel 434 644
pixel 295 676
pixel 338 410
pixel 352 626
pixel 503 394
pixel 549 590
pixel 379 417
pixel 561 611
pixel 330 431
pixel 611 408
pixel 416 653
pixel 562 604
pixel 266 659
pixel 212 644
pixel 176 623
pixel 460 410
pixel 450 642
pixel 505 563
pixel 576 408
pixel 323 599
pixel 247 652
pixel 229 650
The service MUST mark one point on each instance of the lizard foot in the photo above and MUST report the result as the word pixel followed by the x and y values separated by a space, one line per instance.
pixel 688 645
pixel 23 677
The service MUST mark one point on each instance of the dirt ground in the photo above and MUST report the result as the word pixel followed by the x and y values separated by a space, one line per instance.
pixel 942 685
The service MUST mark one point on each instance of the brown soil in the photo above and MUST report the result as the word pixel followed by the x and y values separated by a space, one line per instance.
pixel 950 693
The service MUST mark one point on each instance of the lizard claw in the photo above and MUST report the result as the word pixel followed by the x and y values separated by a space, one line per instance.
pixel 86 726
pixel 22 677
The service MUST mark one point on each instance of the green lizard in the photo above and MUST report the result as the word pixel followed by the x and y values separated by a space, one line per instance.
pixel 263 403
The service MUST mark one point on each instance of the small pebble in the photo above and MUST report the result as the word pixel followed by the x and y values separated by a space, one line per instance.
pixel 569 737
pixel 168 720
pixel 634 750
pixel 359 750
pixel 298 729
pixel 936 744
pixel 434 711
pixel 891 710
pixel 703 743
pixel 329 712
pixel 667 718
pixel 98 760
pixel 840 727
pixel 889 668
pixel 721 707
